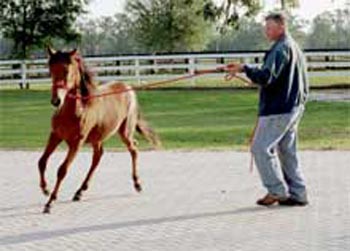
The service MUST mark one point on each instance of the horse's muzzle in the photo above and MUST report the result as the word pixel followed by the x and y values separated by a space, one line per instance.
pixel 55 102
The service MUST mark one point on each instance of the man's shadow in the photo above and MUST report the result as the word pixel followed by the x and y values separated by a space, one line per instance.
pixel 44 235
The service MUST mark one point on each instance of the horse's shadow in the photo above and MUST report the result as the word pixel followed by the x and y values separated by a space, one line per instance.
pixel 34 209
pixel 44 235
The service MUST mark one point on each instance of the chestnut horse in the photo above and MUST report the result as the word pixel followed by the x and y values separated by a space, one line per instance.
pixel 87 113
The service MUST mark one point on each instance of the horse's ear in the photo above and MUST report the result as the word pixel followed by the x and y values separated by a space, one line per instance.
pixel 74 52
pixel 51 51
pixel 75 55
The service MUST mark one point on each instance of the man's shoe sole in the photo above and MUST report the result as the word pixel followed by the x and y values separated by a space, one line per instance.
pixel 292 202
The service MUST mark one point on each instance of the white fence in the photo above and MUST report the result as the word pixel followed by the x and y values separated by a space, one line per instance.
pixel 146 67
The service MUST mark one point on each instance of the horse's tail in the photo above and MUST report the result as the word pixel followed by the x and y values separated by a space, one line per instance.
pixel 145 130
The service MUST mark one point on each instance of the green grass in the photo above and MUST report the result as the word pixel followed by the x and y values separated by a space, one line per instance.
pixel 217 119
pixel 326 126
pixel 329 81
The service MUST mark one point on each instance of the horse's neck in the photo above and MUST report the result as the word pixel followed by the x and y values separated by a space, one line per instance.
pixel 92 86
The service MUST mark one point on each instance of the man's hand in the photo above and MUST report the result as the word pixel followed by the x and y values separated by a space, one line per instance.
pixel 235 68
pixel 232 70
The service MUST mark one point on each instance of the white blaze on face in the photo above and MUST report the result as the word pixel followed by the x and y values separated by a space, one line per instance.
pixel 61 95
pixel 63 81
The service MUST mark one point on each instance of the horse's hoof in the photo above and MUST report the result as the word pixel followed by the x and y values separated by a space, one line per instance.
pixel 46 192
pixel 46 210
pixel 77 197
pixel 138 188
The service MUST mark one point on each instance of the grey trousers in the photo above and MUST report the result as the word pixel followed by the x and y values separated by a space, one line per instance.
pixel 275 153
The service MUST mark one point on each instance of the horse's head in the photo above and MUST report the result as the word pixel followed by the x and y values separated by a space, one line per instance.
pixel 65 72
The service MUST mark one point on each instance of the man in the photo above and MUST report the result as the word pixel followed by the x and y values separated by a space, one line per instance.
pixel 283 92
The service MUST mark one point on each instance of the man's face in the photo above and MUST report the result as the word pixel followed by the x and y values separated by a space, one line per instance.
pixel 273 30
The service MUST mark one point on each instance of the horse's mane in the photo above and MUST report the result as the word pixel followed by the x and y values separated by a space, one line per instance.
pixel 87 83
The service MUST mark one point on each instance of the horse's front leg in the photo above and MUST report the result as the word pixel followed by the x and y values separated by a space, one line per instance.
pixel 52 143
pixel 98 151
pixel 62 171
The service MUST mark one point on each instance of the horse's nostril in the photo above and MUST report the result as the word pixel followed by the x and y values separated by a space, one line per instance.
pixel 55 102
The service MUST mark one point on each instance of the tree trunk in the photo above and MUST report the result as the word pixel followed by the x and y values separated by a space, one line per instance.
pixel 283 4
pixel 24 30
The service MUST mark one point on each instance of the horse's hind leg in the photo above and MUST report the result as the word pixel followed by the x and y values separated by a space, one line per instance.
pixel 52 143
pixel 134 156
pixel 126 134
pixel 98 151
pixel 62 171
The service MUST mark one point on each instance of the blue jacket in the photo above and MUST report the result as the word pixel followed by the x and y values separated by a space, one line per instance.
pixel 282 78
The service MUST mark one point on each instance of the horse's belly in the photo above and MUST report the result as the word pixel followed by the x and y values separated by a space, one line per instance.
pixel 103 131
pixel 107 118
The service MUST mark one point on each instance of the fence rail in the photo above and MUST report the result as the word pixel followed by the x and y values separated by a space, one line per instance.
pixel 146 67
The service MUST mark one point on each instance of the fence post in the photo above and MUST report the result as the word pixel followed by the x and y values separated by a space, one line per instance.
pixel 117 63
pixel 192 66
pixel 23 82
pixel 137 70
pixel 153 63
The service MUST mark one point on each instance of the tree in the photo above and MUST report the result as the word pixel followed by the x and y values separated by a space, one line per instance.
pixel 330 30
pixel 285 4
pixel 168 25
pixel 90 36
pixel 117 35
pixel 249 36
pixel 228 13
pixel 107 35
pixel 296 27
pixel 32 23
pixel 342 28
pixel 5 47
pixel 124 40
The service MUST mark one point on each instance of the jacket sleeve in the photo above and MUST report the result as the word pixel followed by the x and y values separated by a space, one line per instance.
pixel 270 70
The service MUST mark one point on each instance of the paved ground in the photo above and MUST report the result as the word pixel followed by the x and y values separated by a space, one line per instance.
pixel 191 201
